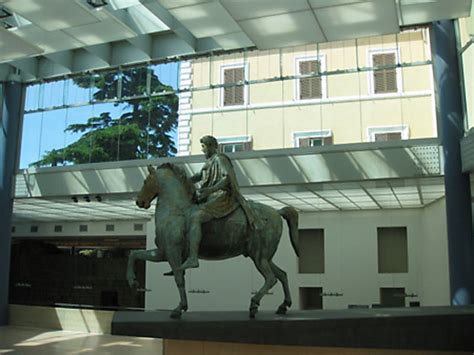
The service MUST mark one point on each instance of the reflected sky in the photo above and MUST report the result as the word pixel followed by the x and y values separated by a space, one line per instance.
pixel 45 131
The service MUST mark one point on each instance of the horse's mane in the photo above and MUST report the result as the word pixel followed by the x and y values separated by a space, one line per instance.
pixel 181 175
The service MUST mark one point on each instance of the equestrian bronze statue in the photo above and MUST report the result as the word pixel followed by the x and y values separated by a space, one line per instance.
pixel 211 222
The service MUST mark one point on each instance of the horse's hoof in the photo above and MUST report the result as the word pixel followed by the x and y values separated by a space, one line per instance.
pixel 133 283
pixel 175 314
pixel 281 310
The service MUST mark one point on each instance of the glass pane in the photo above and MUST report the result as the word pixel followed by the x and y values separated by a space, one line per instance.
pixel 134 82
pixel 77 90
pixel 167 74
pixel 53 94
pixel 52 138
pixel 32 101
pixel 30 147
pixel 104 86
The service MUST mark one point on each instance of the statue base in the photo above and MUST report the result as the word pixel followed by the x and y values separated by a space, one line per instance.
pixel 426 328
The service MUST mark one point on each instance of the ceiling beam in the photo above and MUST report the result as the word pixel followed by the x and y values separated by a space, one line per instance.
pixel 102 51
pixel 169 20
pixel 124 52
pixel 84 60
pixel 64 58
pixel 142 44
pixel 28 66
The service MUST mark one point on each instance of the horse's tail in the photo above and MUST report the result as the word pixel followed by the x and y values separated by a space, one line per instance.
pixel 291 216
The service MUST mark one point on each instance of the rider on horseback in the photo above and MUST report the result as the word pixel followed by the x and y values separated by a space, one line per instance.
pixel 218 196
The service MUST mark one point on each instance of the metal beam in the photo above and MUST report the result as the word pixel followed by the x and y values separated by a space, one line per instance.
pixel 102 51
pixel 84 60
pixel 170 21
pixel 28 66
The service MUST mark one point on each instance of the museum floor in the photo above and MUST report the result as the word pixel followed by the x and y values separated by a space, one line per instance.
pixel 22 340
pixel 19 340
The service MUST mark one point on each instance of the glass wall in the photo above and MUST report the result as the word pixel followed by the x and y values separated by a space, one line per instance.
pixel 106 116
pixel 366 90
pixel 466 36
pixel 370 89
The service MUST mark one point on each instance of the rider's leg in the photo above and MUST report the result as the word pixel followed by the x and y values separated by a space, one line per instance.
pixel 195 235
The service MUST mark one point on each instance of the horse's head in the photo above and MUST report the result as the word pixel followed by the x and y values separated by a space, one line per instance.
pixel 149 190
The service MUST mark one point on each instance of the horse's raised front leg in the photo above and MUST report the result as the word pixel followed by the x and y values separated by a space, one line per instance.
pixel 154 255
pixel 263 266
pixel 281 276
pixel 175 260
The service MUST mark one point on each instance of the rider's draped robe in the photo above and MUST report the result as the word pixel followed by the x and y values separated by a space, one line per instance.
pixel 222 202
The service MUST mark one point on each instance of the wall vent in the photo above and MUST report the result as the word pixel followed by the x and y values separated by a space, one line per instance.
pixel 109 227
pixel 34 229
pixel 13 229
pixel 58 228
pixel 137 227
pixel 83 228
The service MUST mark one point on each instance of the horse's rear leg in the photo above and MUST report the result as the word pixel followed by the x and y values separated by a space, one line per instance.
pixel 154 255
pixel 175 261
pixel 263 266
pixel 281 276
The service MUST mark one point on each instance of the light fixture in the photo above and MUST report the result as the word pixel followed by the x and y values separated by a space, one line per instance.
pixel 97 4
pixel 74 199
pixel 98 198
pixel 87 198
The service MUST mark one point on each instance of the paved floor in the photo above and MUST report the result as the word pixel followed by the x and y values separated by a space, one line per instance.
pixel 17 340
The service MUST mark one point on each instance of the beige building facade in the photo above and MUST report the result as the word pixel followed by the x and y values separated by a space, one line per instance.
pixel 370 89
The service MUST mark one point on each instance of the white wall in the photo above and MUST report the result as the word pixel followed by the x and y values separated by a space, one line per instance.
pixel 350 265
pixel 71 229
pixel 433 254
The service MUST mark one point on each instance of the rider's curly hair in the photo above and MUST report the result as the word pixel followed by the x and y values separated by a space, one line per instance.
pixel 209 141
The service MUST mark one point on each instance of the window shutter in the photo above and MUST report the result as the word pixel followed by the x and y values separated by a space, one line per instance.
pixel 385 80
pixel 247 146
pixel 388 136
pixel 328 140
pixel 239 90
pixel 310 88
pixel 234 95
pixel 304 142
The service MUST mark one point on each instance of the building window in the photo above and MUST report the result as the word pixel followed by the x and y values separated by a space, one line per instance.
pixel 392 249
pixel 392 297
pixel 311 258
pixel 234 94
pixel 387 136
pixel 312 87
pixel 387 133
pixel 235 144
pixel 313 139
pixel 311 297
pixel 388 80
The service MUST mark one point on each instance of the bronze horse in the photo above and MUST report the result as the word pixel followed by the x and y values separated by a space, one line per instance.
pixel 223 238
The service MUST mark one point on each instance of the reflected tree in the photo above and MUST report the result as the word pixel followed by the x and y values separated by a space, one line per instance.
pixel 144 130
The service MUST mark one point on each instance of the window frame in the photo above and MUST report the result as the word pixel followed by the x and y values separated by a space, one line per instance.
pixel 298 60
pixel 236 65
pixel 325 133
pixel 235 140
pixel 372 131
pixel 370 73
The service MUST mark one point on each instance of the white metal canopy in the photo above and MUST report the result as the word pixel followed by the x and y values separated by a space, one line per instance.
pixel 54 37
pixel 365 176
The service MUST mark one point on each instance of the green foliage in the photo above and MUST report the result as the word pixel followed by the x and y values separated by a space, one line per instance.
pixel 144 130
